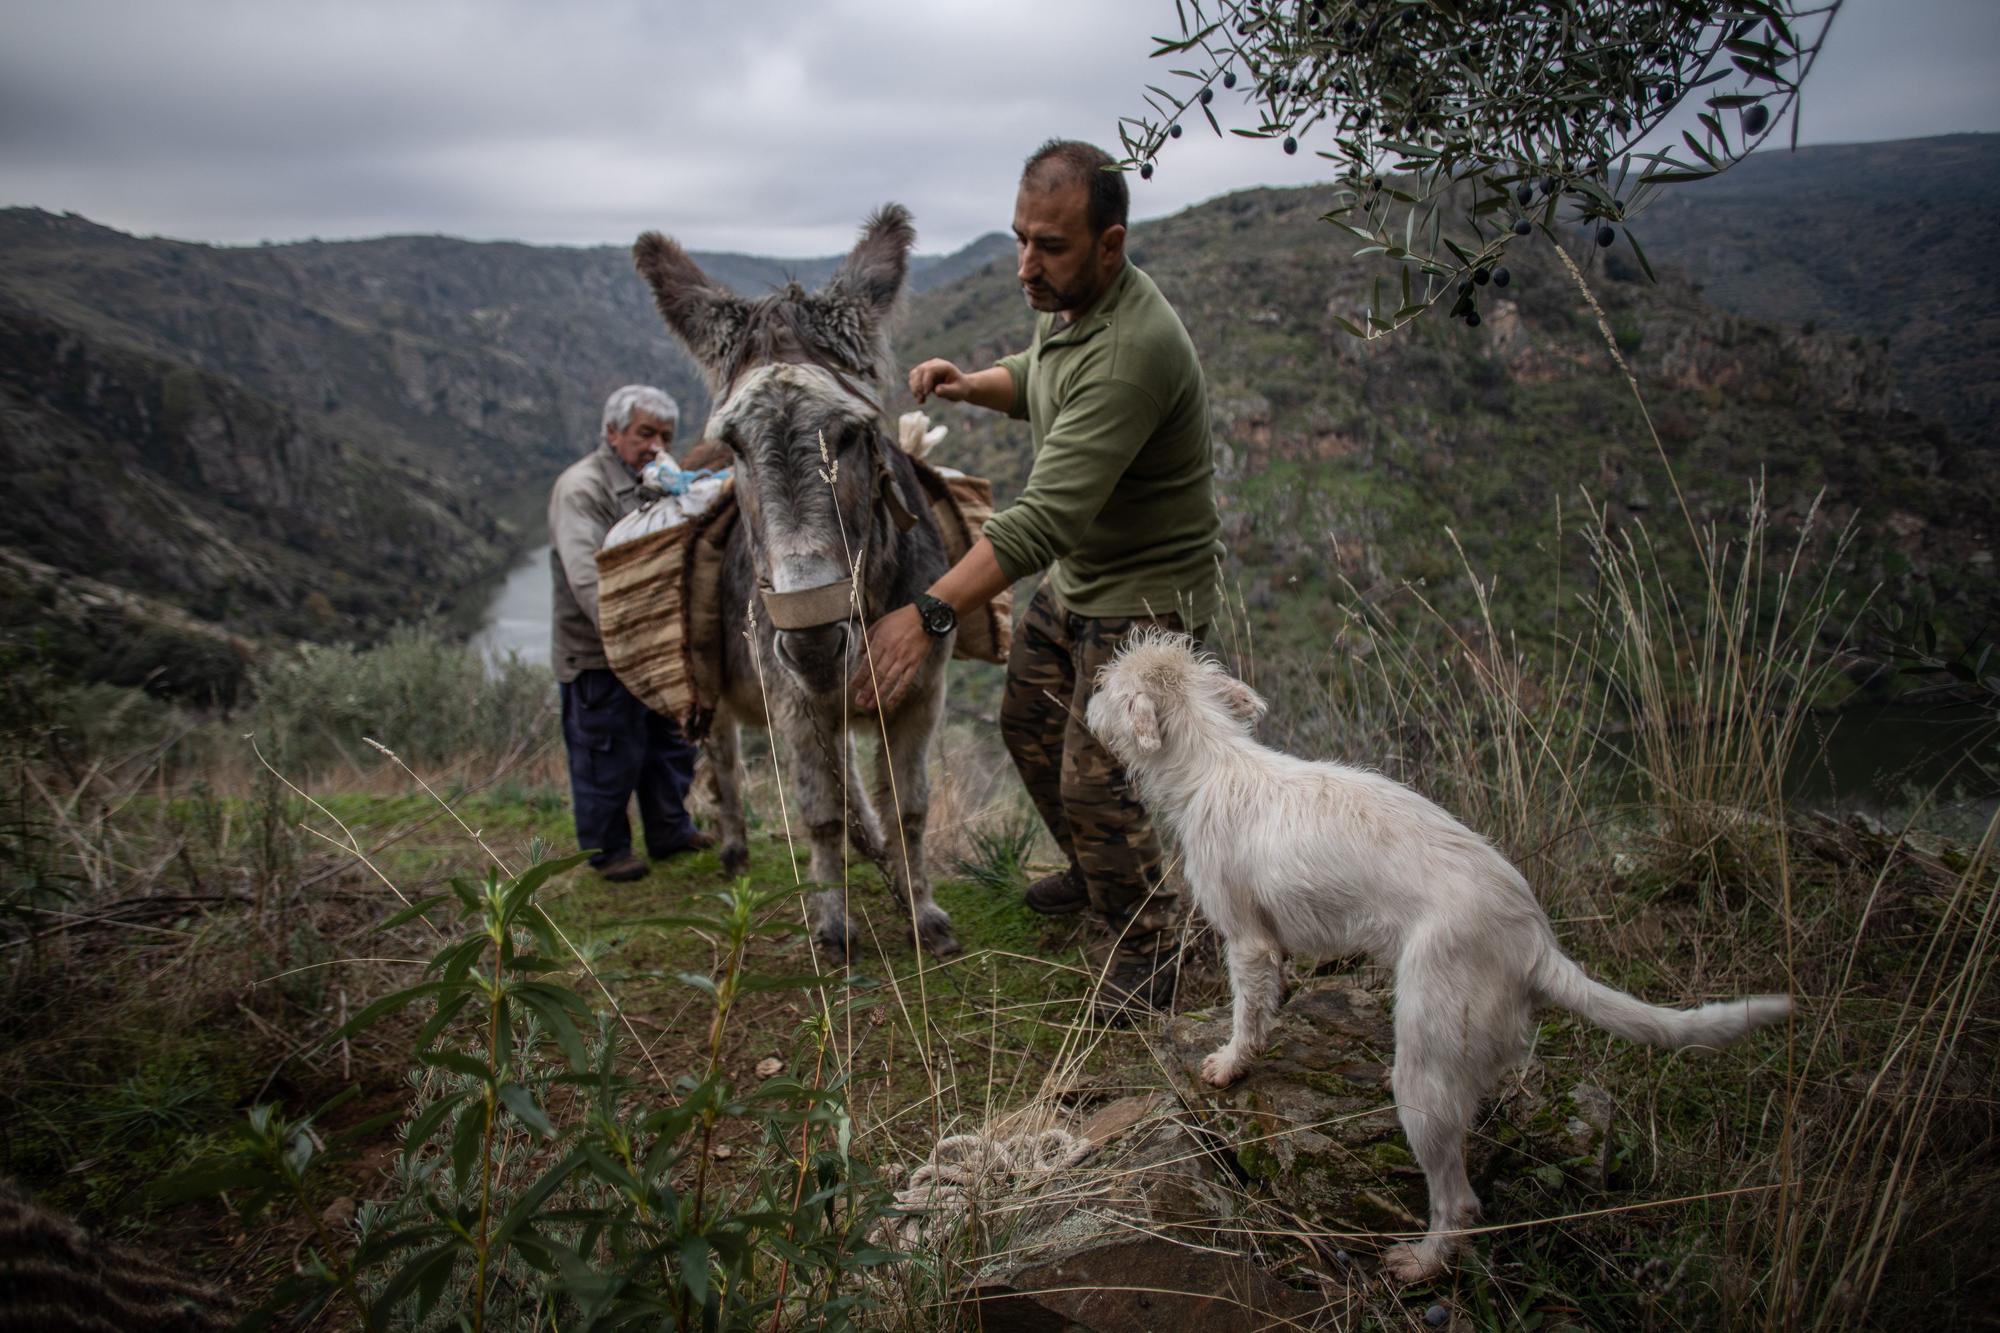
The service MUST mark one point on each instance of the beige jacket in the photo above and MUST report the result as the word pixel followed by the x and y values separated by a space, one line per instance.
pixel 592 494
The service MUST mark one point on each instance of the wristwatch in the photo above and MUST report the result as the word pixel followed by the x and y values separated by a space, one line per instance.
pixel 936 614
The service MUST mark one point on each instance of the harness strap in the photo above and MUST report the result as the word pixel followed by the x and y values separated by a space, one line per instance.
pixel 808 608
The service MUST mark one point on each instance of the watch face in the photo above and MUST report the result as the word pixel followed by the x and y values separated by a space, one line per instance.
pixel 938 616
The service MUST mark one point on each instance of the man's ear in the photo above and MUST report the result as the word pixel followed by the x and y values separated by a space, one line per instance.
pixel 1111 244
pixel 1145 723
pixel 1244 704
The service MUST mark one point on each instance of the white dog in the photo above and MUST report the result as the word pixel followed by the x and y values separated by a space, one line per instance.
pixel 1290 857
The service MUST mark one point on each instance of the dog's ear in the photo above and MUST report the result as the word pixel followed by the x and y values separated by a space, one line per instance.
pixel 1244 704
pixel 1145 722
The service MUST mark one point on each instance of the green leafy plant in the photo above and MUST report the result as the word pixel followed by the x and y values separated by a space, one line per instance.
pixel 1500 117
pixel 542 1182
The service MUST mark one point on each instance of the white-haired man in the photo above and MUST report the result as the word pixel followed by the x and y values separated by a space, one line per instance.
pixel 617 746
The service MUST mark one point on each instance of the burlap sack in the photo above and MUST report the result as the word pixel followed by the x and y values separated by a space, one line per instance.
pixel 659 601
pixel 658 611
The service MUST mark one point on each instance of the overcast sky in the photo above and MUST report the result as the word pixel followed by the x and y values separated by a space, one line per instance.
pixel 749 125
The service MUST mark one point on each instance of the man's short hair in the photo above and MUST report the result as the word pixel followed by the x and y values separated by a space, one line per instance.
pixel 1062 162
pixel 620 406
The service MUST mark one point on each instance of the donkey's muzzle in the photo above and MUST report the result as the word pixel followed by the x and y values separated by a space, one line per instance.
pixel 816 657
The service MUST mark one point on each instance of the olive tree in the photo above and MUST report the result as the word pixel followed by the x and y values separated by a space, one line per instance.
pixel 1459 126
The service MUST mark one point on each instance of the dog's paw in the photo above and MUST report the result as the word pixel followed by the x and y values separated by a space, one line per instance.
pixel 1411 1263
pixel 1221 1068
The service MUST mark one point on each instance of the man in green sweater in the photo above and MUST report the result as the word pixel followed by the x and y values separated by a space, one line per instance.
pixel 1120 509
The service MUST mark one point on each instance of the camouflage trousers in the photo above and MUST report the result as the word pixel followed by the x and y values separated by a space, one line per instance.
pixel 1080 791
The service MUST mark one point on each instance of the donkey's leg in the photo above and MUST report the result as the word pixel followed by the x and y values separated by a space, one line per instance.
pixel 904 781
pixel 864 825
pixel 820 791
pixel 725 772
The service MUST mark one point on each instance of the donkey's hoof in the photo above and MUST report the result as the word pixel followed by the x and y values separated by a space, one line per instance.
pixel 735 859
pixel 934 932
pixel 838 942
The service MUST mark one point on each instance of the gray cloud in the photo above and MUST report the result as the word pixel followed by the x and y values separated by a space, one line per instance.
pixel 758 126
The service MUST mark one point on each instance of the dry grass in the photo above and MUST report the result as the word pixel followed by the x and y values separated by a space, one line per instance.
pixel 1836 1176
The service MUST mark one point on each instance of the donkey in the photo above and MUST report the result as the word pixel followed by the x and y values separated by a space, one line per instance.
pixel 799 381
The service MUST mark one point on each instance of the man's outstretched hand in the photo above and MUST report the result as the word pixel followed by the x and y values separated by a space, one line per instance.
pixel 897 646
pixel 939 376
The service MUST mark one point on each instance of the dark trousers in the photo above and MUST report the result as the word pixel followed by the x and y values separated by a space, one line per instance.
pixel 618 746
pixel 1080 790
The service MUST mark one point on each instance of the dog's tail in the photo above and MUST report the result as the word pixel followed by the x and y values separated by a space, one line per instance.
pixel 1566 985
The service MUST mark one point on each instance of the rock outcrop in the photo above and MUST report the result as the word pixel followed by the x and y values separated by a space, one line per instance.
pixel 1258 1206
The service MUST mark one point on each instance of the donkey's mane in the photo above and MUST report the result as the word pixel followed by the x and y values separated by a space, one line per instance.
pixel 791 325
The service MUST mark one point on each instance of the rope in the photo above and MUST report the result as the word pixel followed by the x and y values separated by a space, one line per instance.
pixel 964 1166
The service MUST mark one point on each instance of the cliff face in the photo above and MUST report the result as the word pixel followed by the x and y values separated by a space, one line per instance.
pixel 188 489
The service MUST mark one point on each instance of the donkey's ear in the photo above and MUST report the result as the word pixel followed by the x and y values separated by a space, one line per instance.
pixel 1244 704
pixel 707 318
pixel 1145 722
pixel 874 271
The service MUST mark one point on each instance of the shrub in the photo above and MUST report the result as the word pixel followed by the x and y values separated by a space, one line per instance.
pixel 432 700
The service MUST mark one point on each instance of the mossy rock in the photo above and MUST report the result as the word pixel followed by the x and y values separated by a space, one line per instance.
pixel 1314 1130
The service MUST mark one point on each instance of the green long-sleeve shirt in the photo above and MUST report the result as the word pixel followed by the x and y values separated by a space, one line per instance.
pixel 1121 500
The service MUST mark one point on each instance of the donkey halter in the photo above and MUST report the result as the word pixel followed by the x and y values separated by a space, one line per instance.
pixel 834 601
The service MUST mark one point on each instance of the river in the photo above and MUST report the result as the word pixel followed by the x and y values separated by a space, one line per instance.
pixel 517 619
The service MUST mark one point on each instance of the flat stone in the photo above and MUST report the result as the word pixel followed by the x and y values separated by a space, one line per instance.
pixel 1109 1121
pixel 1139 1285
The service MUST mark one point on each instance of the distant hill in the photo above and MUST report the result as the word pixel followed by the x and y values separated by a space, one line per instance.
pixel 1877 240
pixel 320 439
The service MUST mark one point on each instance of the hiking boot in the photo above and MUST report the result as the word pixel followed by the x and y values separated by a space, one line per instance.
pixel 1141 984
pixel 1058 894
pixel 700 840
pixel 623 868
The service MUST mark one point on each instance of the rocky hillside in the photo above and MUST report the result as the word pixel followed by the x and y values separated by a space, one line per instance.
pixel 1869 240
pixel 1352 460
pixel 313 440
pixel 323 438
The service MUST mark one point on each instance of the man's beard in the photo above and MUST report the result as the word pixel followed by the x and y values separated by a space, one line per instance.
pixel 1047 299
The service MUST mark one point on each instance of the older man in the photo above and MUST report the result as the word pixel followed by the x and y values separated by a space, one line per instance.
pixel 616 745
pixel 1120 509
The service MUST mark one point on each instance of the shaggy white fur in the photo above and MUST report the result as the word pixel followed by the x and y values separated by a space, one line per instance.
pixel 1287 856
